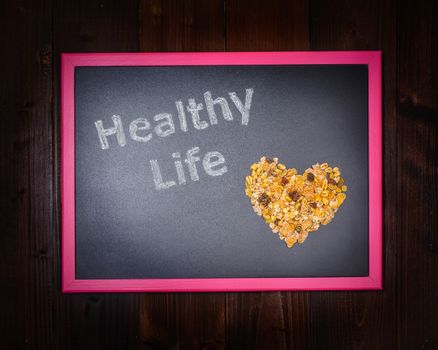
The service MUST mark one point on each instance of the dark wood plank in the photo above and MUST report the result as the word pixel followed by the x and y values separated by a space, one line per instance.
pixel 99 321
pixel 368 320
pixel 103 321
pixel 189 25
pixel 26 291
pixel 182 320
pixel 418 173
pixel 270 320
pixel 11 312
pixel 267 25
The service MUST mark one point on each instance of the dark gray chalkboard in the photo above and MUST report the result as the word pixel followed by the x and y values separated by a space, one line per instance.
pixel 125 228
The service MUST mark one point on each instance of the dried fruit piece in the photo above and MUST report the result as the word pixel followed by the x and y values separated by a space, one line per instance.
pixel 264 199
pixel 332 182
pixel 294 195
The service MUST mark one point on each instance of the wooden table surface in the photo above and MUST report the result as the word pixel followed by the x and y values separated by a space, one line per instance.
pixel 34 314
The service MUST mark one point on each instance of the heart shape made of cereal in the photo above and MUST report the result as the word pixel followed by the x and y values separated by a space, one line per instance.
pixel 291 204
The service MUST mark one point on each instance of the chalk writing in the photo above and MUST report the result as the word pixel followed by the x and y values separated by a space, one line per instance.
pixel 141 130
pixel 211 167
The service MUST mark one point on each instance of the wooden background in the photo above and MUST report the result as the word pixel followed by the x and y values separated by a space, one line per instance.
pixel 33 312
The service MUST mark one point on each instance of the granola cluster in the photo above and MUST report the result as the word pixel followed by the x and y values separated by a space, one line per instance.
pixel 294 205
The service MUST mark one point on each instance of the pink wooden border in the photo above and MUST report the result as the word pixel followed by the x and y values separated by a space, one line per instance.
pixel 71 60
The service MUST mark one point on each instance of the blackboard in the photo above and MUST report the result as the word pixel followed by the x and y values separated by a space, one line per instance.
pixel 137 218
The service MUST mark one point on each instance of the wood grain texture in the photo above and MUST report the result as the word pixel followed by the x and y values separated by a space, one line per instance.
pixel 261 25
pixel 192 25
pixel 92 321
pixel 182 320
pixel 26 97
pixel 11 290
pixel 363 320
pixel 418 173
pixel 34 314
pixel 269 320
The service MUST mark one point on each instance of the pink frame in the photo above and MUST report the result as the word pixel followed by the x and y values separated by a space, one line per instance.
pixel 370 58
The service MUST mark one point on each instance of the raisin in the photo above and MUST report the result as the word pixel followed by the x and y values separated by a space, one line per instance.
pixel 310 177
pixel 264 199
pixel 332 182
pixel 284 181
pixel 294 195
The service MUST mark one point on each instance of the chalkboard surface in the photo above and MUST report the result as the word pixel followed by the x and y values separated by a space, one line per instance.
pixel 129 226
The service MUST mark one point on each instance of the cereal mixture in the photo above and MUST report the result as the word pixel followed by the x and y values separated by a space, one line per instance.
pixel 294 205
